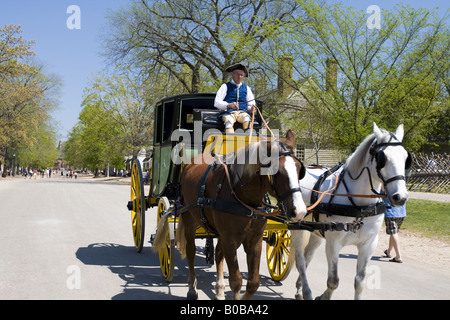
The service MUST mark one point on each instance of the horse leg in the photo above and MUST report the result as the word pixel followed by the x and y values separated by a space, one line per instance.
pixel 332 249
pixel 253 249
pixel 190 228
pixel 365 252
pixel 235 278
pixel 302 259
pixel 220 281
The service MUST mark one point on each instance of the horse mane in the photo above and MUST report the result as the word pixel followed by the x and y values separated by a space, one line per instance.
pixel 244 162
pixel 356 161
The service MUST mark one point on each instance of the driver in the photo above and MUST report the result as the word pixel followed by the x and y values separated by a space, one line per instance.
pixel 235 99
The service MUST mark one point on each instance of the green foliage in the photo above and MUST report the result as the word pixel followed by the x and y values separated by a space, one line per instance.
pixel 390 76
pixel 26 98
pixel 43 153
pixel 129 105
pixel 116 120
pixel 93 142
pixel 396 74
pixel 193 42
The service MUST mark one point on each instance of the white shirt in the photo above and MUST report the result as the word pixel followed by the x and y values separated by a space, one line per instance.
pixel 219 102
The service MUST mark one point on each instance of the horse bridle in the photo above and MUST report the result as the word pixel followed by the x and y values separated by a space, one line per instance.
pixel 380 159
pixel 283 151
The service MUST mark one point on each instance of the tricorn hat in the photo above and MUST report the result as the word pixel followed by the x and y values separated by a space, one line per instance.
pixel 237 66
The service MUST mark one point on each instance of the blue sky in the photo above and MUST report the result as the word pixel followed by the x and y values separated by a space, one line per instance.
pixel 74 54
pixel 71 54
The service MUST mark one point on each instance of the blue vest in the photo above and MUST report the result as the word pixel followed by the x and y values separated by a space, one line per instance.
pixel 232 96
pixel 394 212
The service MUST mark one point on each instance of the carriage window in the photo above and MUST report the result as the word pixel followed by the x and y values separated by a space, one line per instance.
pixel 186 119
pixel 158 124
pixel 189 118
pixel 187 110
pixel 168 119
pixel 163 121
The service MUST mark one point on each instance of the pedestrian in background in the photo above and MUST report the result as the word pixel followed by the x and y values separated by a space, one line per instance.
pixel 393 219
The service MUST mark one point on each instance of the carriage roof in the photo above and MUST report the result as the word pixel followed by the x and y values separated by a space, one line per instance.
pixel 187 96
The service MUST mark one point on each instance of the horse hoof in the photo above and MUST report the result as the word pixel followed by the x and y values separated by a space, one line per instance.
pixel 192 296
pixel 298 296
pixel 220 297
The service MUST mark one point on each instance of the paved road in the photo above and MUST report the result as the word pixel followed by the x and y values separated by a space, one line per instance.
pixel 67 239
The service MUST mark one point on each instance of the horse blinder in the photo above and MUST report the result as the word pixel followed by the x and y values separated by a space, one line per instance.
pixel 302 172
pixel 408 162
pixel 380 159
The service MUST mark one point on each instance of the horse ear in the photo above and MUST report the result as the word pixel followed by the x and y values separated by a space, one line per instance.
pixel 377 132
pixel 399 133
pixel 290 139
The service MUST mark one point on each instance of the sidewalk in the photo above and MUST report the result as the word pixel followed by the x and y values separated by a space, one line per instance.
pixel 127 180
pixel 429 196
pixel 121 180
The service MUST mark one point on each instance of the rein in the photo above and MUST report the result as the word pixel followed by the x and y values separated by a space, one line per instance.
pixel 227 173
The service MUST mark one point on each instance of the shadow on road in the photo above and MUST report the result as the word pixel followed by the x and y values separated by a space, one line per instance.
pixel 142 274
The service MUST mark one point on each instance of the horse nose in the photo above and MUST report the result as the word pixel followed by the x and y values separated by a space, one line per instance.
pixel 297 214
pixel 398 200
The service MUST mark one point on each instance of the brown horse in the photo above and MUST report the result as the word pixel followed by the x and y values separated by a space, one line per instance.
pixel 247 185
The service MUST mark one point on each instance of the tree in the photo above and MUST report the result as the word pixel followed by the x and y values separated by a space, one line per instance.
pixel 42 153
pixel 392 75
pixel 93 141
pixel 129 105
pixel 194 41
pixel 26 95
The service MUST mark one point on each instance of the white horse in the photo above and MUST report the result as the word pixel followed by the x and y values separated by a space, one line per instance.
pixel 379 160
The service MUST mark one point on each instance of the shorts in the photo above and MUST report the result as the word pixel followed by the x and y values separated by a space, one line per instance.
pixel 238 116
pixel 393 225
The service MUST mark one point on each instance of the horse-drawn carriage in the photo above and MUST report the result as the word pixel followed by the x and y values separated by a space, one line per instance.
pixel 185 126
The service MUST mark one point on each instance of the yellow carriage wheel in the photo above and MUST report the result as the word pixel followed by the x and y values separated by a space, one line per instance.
pixel 166 254
pixel 137 205
pixel 278 254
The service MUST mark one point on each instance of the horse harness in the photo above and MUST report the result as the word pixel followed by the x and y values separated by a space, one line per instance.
pixel 353 210
pixel 240 208
pixel 380 158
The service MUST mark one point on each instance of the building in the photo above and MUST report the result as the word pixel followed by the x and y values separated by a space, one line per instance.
pixel 294 97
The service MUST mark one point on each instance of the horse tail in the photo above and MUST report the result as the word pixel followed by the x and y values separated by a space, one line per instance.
pixel 180 237
pixel 162 231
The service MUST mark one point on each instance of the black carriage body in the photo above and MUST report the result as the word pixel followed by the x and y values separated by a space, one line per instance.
pixel 181 116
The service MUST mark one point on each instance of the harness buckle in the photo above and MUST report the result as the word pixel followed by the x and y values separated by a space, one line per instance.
pixel 252 215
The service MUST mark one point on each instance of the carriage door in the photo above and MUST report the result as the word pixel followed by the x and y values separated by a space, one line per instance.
pixel 162 146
